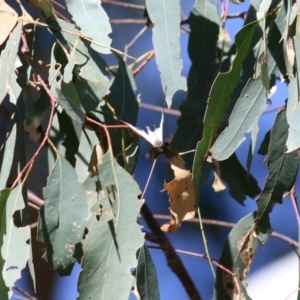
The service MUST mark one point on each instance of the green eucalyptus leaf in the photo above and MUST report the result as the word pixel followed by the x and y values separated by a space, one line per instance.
pixel 93 21
pixel 62 219
pixel 124 102
pixel 68 98
pixel 240 182
pixel 246 112
pixel 7 61
pixel 72 131
pixel 146 282
pixel 283 169
pixel 219 100
pixel 165 15
pixel 44 6
pixel 113 237
pixel 8 156
pixel 204 22
pixel 253 139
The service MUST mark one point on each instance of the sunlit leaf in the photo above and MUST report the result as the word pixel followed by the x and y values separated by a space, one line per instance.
pixel 246 112
pixel 93 21
pixel 7 60
pixel 293 107
pixel 110 245
pixel 8 155
pixel 8 20
pixel 253 139
pixel 166 40
pixel 14 239
pixel 283 168
pixel 62 218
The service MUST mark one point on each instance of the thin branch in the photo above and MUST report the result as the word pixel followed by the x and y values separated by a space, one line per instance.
pixel 143 64
pixel 140 33
pixel 277 235
pixel 203 256
pixel 174 261
pixel 35 199
pixel 33 225
pixel 237 15
pixel 25 50
pixel 148 180
pixel 62 16
pixel 128 21
pixel 128 5
pixel 176 112
pixel 38 202
pixel 102 126
pixel 59 5
pixel 23 292
pixel 295 204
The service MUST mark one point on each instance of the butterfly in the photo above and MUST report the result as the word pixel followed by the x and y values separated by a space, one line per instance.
pixel 154 138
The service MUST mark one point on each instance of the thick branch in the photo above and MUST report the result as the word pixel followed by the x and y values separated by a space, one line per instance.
pixel 174 261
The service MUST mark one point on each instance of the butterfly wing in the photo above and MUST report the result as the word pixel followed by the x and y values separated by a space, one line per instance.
pixel 155 138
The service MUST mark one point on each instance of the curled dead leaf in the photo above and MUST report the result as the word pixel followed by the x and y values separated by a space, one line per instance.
pixel 96 159
pixel 218 184
pixel 247 253
pixel 290 52
pixel 181 193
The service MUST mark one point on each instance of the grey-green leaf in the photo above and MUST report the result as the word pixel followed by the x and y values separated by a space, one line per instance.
pixel 283 168
pixel 14 239
pixel 68 98
pixel 63 217
pixel 146 278
pixel 93 21
pixel 8 155
pixel 110 245
pixel 246 112
pixel 165 15
pixel 204 22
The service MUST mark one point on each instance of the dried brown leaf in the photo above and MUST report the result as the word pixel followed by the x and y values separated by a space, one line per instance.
pixel 218 184
pixel 181 193
pixel 290 52
pixel 96 159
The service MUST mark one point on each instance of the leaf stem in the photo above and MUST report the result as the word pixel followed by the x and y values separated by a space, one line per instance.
pixel 205 242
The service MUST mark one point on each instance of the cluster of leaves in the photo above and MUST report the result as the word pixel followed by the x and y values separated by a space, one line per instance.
pixel 85 116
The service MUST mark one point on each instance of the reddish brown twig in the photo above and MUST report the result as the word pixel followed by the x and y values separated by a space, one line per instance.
pixel 25 50
pixel 143 64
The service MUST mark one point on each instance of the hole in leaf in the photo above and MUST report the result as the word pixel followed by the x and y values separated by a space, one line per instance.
pixel 86 231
